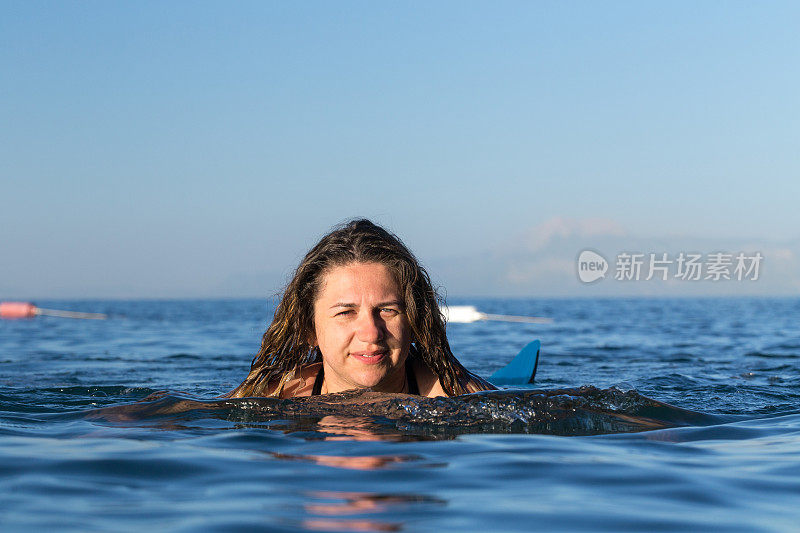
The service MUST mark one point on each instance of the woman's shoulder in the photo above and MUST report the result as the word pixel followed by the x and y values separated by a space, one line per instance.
pixel 302 385
pixel 430 385
pixel 427 382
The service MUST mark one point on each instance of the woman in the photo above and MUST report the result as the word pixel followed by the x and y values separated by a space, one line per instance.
pixel 360 312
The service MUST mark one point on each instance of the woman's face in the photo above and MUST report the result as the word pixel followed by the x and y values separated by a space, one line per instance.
pixel 361 329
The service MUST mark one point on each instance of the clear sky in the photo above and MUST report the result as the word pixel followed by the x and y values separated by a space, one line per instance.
pixel 171 149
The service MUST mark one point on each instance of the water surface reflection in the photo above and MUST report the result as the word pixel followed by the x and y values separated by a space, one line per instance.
pixel 343 510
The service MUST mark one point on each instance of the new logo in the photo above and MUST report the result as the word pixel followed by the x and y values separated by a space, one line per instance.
pixel 591 266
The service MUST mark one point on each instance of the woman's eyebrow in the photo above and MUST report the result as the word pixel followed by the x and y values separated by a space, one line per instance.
pixel 349 305
pixel 343 304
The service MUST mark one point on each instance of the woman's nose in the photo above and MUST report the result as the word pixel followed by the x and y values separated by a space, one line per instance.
pixel 370 328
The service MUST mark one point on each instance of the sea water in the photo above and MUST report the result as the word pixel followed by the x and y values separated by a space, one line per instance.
pixel 78 453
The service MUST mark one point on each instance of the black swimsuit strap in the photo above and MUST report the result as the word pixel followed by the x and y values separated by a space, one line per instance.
pixel 413 387
pixel 317 390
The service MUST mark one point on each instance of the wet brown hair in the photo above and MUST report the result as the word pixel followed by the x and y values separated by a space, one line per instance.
pixel 286 346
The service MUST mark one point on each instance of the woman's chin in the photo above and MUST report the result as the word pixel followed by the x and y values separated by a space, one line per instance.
pixel 368 383
pixel 369 380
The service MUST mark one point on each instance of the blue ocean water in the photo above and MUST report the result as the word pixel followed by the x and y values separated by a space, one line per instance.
pixel 725 456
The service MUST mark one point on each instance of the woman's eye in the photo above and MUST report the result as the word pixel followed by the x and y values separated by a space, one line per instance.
pixel 344 313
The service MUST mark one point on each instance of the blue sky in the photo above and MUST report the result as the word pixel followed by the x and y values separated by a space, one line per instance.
pixel 177 149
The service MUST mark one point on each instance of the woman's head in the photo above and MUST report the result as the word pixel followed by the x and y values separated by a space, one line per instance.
pixel 291 341
pixel 361 329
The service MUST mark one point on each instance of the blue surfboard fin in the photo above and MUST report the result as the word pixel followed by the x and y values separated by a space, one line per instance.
pixel 522 369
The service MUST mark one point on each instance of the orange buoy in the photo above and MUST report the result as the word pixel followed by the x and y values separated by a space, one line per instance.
pixel 29 310
pixel 17 310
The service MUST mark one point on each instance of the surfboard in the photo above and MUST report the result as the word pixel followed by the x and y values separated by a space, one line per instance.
pixel 522 369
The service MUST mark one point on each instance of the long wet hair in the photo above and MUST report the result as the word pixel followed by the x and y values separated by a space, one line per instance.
pixel 287 344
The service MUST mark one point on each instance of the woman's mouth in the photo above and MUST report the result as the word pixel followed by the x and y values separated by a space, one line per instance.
pixel 370 357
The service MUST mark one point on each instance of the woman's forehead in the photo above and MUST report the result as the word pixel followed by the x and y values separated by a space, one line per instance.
pixel 355 281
